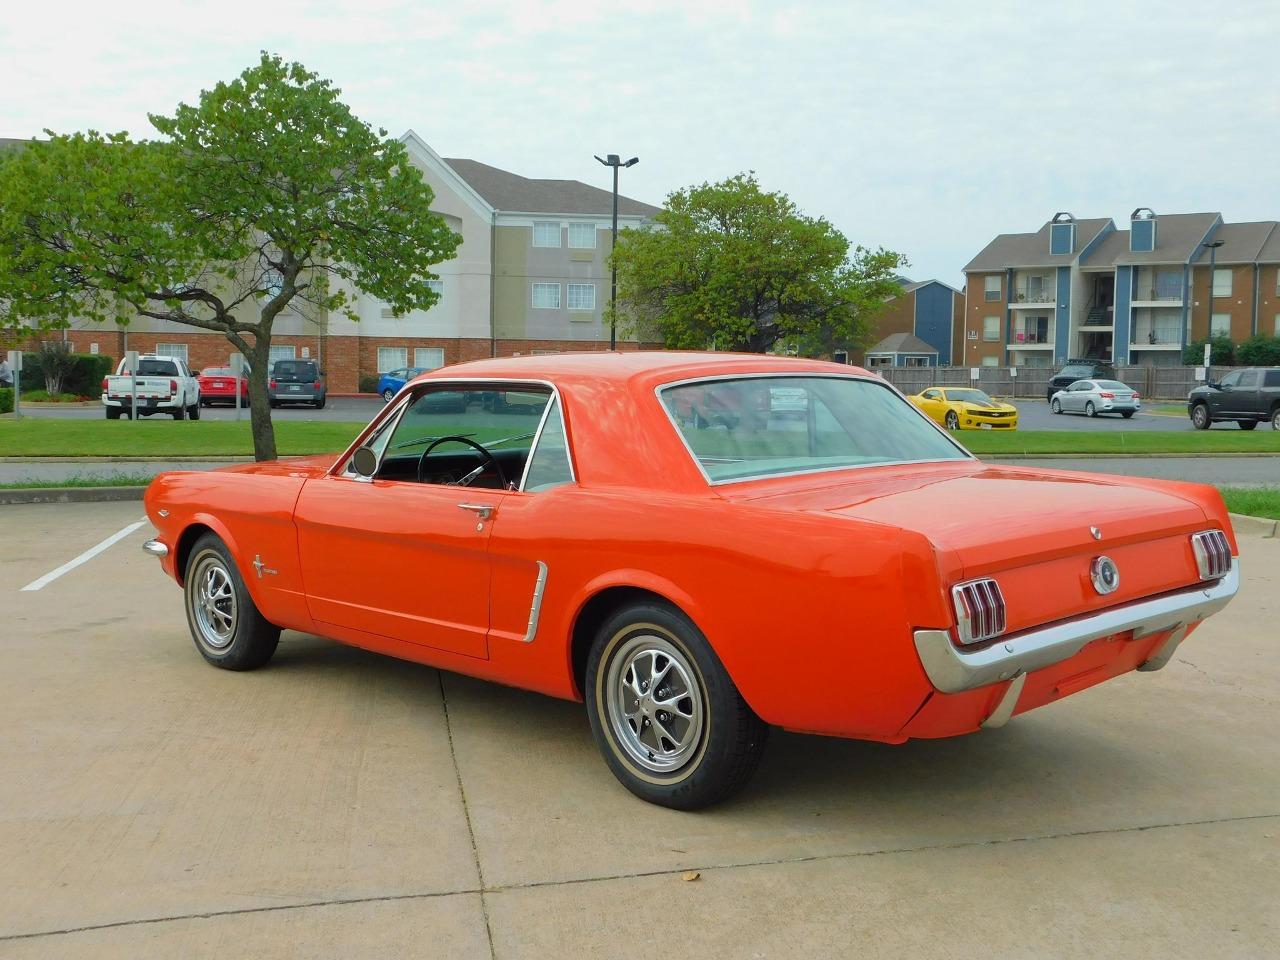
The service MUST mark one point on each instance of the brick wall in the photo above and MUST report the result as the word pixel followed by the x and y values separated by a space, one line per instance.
pixel 979 308
pixel 1239 305
pixel 1268 300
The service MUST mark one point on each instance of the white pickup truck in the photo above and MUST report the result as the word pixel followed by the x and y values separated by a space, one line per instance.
pixel 165 385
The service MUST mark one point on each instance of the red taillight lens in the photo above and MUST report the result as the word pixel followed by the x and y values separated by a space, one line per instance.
pixel 173 386
pixel 104 384
pixel 272 384
pixel 1107 396
pixel 316 385
pixel 980 610
pixel 1136 395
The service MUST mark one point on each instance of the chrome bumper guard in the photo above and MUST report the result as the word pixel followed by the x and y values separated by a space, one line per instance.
pixel 155 548
pixel 952 669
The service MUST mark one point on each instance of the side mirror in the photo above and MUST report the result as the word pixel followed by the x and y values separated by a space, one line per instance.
pixel 365 462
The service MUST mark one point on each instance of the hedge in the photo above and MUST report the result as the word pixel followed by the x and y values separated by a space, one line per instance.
pixel 84 380
pixel 6 400
pixel 1259 351
pixel 369 384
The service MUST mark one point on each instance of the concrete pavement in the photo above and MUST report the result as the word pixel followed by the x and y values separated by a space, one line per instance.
pixel 340 804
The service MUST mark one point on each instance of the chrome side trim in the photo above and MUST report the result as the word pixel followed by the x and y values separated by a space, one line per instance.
pixel 951 669
pixel 1004 709
pixel 535 609
pixel 155 548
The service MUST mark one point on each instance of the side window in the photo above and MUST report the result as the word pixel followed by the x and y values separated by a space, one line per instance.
pixel 549 466
pixel 1271 378
pixel 1230 380
pixel 931 395
pixel 1248 380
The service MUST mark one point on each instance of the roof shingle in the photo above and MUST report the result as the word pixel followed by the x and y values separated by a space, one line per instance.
pixel 510 192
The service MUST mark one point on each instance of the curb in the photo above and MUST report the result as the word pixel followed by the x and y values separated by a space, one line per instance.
pixel 71 495
pixel 1261 526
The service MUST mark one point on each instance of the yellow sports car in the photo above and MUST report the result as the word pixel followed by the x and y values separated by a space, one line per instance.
pixel 964 408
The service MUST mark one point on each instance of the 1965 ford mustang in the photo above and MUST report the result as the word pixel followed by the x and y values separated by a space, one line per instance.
pixel 563 524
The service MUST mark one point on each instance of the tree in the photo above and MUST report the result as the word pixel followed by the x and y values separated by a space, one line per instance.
pixel 1259 351
pixel 732 266
pixel 267 192
pixel 1222 352
pixel 56 364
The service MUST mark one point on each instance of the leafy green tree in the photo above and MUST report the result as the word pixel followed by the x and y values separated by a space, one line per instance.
pixel 1260 351
pixel 1223 352
pixel 735 267
pixel 267 192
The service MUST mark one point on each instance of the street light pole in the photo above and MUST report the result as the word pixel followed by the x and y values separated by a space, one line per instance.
pixel 1213 246
pixel 613 160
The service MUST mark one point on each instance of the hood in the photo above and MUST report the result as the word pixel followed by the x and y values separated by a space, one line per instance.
pixel 312 466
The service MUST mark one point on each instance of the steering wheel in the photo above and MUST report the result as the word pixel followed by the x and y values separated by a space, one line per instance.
pixel 489 458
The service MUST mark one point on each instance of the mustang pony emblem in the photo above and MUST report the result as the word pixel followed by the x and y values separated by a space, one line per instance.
pixel 261 567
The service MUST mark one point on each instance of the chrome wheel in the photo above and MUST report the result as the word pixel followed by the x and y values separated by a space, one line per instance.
pixel 654 703
pixel 953 421
pixel 212 599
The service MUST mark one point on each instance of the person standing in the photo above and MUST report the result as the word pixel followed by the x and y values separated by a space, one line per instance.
pixel 6 375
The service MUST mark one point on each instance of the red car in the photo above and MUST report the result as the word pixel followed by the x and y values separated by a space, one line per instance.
pixel 218 385
pixel 847 569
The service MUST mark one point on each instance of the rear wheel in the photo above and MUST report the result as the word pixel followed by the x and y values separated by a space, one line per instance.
pixel 1055 406
pixel 180 413
pixel 664 712
pixel 320 402
pixel 1247 424
pixel 226 626
pixel 387 394
pixel 953 421
pixel 1090 410
pixel 1200 417
pixel 1127 414
pixel 113 413
pixel 193 411
pixel 1275 419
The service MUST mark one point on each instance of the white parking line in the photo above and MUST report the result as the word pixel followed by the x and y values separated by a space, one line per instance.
pixel 89 554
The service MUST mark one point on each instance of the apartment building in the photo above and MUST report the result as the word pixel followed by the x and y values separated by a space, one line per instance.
pixel 1083 288
pixel 530 276
pixel 919 327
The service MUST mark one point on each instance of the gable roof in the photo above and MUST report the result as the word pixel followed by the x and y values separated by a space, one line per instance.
pixel 1270 251
pixel 1241 242
pixel 1032 249
pixel 510 192
pixel 903 343
pixel 910 285
pixel 1178 237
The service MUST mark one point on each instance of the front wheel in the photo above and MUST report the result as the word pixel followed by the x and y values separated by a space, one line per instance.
pixel 665 713
pixel 1056 406
pixel 193 411
pixel 953 421
pixel 225 624
pixel 387 394
pixel 1275 419
pixel 1247 424
pixel 1090 410
pixel 1200 417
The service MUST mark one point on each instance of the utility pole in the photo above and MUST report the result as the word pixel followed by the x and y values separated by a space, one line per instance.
pixel 614 161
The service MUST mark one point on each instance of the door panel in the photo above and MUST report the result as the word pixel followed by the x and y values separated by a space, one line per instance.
pixel 398 559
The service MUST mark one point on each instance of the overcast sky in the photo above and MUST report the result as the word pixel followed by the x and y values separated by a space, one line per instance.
pixel 926 127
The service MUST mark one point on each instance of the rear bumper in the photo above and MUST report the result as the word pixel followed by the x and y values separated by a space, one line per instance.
pixel 952 669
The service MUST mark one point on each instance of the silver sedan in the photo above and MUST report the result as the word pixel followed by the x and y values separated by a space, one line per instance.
pixel 1093 397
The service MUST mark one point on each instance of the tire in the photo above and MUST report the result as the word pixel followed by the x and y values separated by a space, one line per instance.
pixel 387 395
pixel 180 413
pixel 1049 397
pixel 722 739
pixel 953 421
pixel 1246 424
pixel 232 633
pixel 1275 419
pixel 273 404
pixel 1127 414
pixel 1089 409
pixel 1200 417
pixel 113 413
pixel 1055 406
pixel 319 404
pixel 193 411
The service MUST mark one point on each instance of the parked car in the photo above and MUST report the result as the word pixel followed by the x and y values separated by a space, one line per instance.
pixel 1245 397
pixel 391 382
pixel 965 408
pixel 218 385
pixel 163 385
pixel 1079 370
pixel 1094 397
pixel 865 578
pixel 296 381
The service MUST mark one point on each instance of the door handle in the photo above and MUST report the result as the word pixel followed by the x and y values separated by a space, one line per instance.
pixel 482 510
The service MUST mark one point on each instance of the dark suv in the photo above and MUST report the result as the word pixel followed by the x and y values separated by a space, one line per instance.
pixel 1247 397
pixel 296 381
pixel 1079 370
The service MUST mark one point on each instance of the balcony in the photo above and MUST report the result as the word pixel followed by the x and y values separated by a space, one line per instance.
pixel 1157 288
pixel 1031 334
pixel 1033 290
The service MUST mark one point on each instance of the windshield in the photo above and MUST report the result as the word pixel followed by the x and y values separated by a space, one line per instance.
pixel 735 429
pixel 968 396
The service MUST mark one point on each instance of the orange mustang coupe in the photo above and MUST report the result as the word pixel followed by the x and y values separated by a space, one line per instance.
pixel 555 523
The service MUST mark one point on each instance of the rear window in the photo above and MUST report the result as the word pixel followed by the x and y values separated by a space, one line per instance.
pixel 1271 378
pixel 1076 371
pixel 295 370
pixel 157 368
pixel 217 372
pixel 1112 385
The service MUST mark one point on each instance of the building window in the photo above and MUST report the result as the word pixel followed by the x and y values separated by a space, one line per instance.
pixel 281 352
pixel 1277 325
pixel 546 296
pixel 582 296
pixel 428 358
pixel 392 358
pixel 991 287
pixel 1222 283
pixel 991 361
pixel 436 287
pixel 991 329
pixel 582 236
pixel 546 234
pixel 176 350
pixel 1220 325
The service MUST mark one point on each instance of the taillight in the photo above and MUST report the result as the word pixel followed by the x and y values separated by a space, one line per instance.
pixel 104 384
pixel 316 385
pixel 1213 553
pixel 980 610
pixel 272 384
pixel 1107 396
pixel 173 386
pixel 1136 396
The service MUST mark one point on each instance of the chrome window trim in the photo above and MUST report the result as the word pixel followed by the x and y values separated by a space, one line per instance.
pixel 410 391
pixel 869 378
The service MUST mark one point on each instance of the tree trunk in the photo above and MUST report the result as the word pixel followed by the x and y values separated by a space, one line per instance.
pixel 264 434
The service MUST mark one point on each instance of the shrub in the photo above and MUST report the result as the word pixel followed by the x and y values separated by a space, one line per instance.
pixel 1260 351
pixel 6 400
pixel 1223 354
pixel 83 379
pixel 369 384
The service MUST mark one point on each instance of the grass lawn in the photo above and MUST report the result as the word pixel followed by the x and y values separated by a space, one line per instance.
pixel 1032 442
pixel 163 438
pixel 88 480
pixel 1254 501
